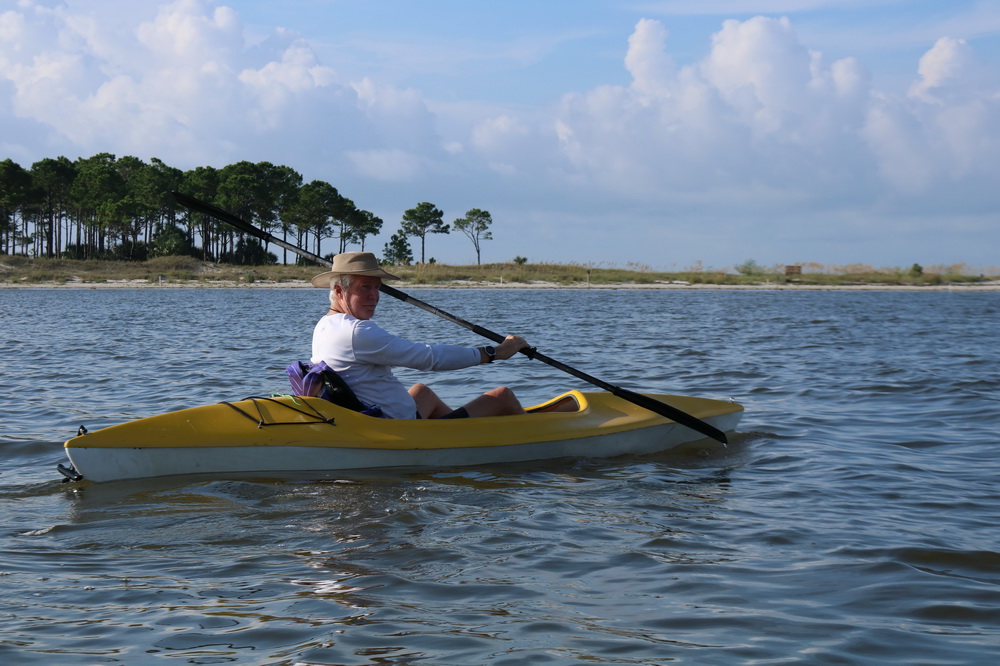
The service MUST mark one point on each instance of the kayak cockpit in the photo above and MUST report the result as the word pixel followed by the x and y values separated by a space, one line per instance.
pixel 571 401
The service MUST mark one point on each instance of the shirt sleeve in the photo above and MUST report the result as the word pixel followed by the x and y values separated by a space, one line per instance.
pixel 372 344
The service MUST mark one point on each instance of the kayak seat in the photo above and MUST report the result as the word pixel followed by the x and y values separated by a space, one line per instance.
pixel 318 380
pixel 567 402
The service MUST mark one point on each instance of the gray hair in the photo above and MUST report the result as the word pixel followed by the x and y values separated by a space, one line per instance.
pixel 344 280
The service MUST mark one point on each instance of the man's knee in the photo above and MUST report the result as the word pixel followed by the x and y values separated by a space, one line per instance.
pixel 502 393
pixel 506 397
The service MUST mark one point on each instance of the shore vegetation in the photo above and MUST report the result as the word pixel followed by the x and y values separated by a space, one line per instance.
pixel 28 271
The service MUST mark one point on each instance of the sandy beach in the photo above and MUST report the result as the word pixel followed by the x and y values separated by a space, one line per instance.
pixel 993 285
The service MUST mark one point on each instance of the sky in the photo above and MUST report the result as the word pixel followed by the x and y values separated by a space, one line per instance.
pixel 652 134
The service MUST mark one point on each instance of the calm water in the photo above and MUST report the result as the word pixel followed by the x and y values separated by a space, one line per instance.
pixel 853 520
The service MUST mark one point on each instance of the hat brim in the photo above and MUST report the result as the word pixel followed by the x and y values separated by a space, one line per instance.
pixel 323 280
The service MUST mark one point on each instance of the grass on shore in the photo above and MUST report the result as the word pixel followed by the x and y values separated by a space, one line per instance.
pixel 26 271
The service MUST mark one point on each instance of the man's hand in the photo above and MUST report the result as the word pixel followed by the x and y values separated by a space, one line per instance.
pixel 510 346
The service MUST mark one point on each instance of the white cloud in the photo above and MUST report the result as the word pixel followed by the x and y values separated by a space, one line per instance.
pixel 939 148
pixel 759 114
pixel 190 32
pixel 647 60
pixel 181 85
pixel 400 117
pixel 277 85
pixel 505 140
pixel 764 121
pixel 942 68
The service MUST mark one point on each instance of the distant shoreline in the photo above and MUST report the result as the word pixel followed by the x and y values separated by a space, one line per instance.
pixel 298 284
pixel 182 272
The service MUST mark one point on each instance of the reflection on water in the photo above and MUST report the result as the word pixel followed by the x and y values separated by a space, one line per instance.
pixel 851 521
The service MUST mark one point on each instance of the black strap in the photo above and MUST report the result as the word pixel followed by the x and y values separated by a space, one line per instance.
pixel 339 393
pixel 261 422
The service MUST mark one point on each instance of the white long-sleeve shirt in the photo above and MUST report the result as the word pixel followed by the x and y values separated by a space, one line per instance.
pixel 364 354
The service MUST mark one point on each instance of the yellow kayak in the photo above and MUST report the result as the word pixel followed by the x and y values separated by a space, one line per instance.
pixel 286 435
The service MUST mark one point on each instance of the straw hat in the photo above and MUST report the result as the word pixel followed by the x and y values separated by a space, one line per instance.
pixel 352 263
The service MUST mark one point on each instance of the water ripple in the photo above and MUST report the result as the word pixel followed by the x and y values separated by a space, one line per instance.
pixel 852 519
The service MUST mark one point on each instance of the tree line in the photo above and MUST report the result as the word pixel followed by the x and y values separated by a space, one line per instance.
pixel 103 207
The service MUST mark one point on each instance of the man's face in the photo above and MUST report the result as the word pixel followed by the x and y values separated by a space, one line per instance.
pixel 361 298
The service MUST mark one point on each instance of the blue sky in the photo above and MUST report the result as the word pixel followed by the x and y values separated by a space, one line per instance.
pixel 666 134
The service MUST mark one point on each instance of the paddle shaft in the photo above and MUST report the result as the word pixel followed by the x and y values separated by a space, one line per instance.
pixel 644 401
pixel 244 226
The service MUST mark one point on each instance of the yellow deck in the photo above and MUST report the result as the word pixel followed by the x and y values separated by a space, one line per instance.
pixel 298 421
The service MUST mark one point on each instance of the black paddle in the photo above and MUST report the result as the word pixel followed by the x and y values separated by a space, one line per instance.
pixel 644 401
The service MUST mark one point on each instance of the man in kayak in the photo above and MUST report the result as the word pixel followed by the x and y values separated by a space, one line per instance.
pixel 364 354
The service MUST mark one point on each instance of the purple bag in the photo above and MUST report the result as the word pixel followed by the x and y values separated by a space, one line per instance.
pixel 318 380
